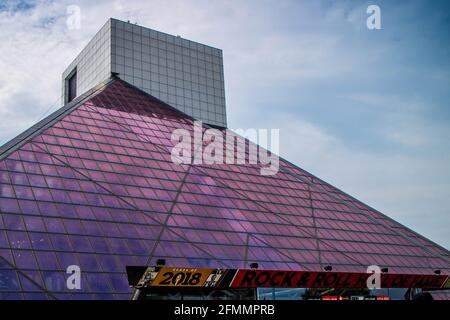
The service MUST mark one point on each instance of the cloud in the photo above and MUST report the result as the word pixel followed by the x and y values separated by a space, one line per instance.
pixel 36 46
pixel 414 189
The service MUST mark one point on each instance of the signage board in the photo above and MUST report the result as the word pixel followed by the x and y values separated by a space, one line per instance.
pixel 255 278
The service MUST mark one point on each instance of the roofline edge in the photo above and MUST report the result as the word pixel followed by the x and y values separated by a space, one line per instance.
pixel 24 137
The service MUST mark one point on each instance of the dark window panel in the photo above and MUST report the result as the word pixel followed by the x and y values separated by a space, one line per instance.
pixel 72 87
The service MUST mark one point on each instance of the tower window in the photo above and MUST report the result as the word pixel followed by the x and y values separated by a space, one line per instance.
pixel 72 86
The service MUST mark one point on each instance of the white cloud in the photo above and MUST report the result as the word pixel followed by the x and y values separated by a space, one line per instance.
pixel 36 46
pixel 413 189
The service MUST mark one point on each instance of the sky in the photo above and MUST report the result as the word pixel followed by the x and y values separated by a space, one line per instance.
pixel 365 110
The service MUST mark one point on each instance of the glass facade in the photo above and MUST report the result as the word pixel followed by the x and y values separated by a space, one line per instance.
pixel 98 189
pixel 185 74
pixel 93 64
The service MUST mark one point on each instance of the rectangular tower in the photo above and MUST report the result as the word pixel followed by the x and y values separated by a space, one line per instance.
pixel 185 74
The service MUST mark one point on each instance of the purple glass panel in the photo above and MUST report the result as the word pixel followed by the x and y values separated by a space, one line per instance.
pixel 29 207
pixel 53 182
pixel 110 263
pixel 10 296
pixel 4 176
pixel 18 178
pixel 8 280
pixel 6 191
pixel 74 226
pixel 88 262
pixel 66 210
pixel 18 240
pixel 98 282
pixel 118 246
pixel 29 283
pixel 54 281
pixel 48 209
pixel 34 223
pixel 139 246
pixel 37 181
pixel 36 296
pixel 5 259
pixel 4 243
pixel 9 205
pixel 103 296
pixel 119 282
pixel 40 241
pixel 42 194
pixel 61 242
pixel 80 243
pixel 59 196
pixel 84 212
pixel 54 225
pixel 25 259
pixel 110 229
pixel 67 259
pixel 69 296
pixel 47 260
pixel 99 245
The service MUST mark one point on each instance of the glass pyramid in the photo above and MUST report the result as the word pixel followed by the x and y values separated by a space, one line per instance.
pixel 94 185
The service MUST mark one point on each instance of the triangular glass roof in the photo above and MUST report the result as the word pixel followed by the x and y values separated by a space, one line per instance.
pixel 94 185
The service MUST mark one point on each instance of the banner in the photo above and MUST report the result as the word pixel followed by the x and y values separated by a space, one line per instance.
pixel 253 278
pixel 187 277
pixel 303 279
pixel 178 277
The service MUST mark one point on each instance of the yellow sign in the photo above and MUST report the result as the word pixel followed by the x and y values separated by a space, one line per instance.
pixel 183 277
pixel 447 283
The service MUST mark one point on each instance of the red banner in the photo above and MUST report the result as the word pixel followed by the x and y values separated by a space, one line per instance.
pixel 245 278
pixel 255 278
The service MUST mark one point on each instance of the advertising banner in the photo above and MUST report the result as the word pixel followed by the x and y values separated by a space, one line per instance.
pixel 253 278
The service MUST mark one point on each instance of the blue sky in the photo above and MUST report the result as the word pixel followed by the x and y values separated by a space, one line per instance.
pixel 366 110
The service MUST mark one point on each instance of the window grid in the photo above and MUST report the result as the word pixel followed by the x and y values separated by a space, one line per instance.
pixel 96 188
